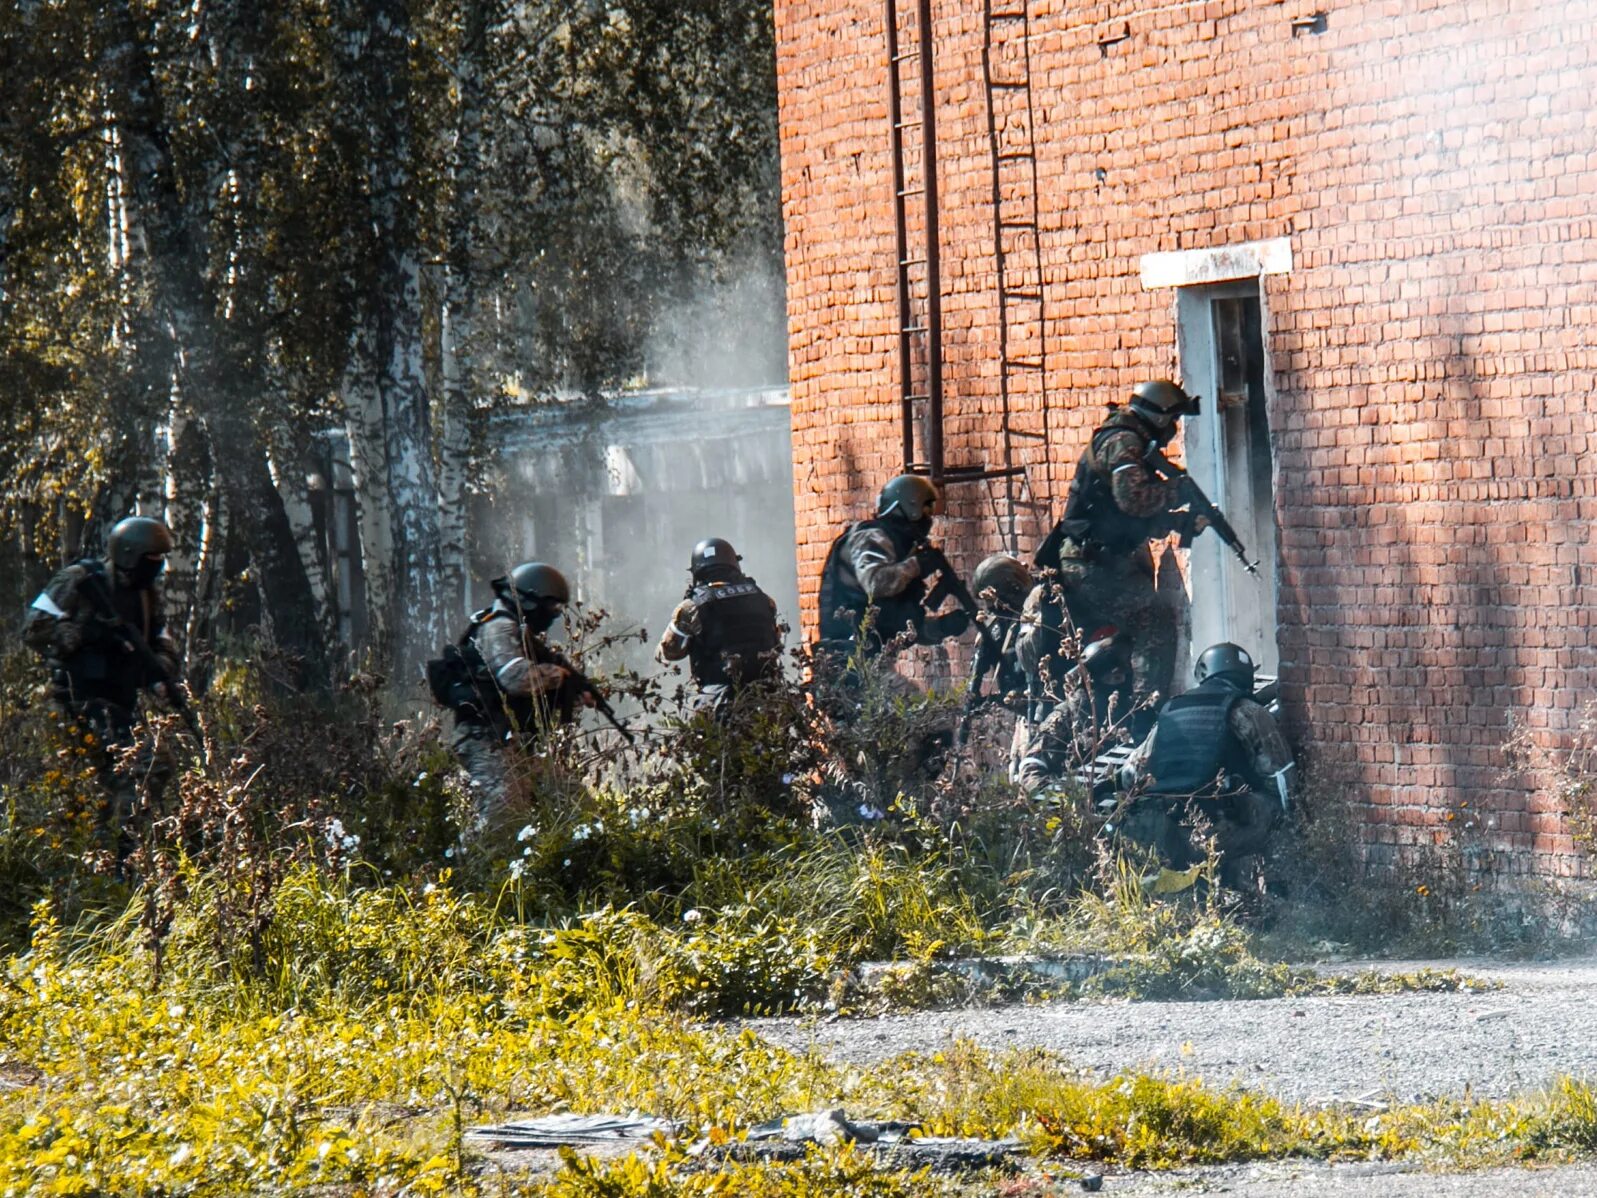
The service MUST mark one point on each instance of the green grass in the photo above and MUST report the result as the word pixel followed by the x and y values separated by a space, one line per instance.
pixel 273 1009
pixel 391 1021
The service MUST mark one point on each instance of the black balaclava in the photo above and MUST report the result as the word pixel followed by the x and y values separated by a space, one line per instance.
pixel 145 572
pixel 540 617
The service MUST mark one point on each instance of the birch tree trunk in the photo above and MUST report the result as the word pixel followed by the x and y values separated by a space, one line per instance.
pixel 368 459
pixel 173 253
pixel 188 486
pixel 457 339
pixel 291 484
pixel 396 307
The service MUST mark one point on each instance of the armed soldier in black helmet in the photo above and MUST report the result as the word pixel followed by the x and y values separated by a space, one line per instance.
pixel 1216 751
pixel 1092 702
pixel 1118 503
pixel 101 626
pixel 881 566
pixel 725 626
pixel 505 683
pixel 1001 585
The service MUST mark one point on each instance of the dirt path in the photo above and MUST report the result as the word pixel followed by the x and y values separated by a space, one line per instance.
pixel 1405 1047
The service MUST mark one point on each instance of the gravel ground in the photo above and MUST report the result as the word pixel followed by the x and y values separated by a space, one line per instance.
pixel 1355 1181
pixel 1403 1047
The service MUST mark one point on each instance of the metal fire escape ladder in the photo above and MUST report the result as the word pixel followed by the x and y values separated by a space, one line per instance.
pixel 919 277
pixel 1017 239
pixel 925 405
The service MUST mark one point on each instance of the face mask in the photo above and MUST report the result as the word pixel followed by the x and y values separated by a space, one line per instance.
pixel 541 618
pixel 146 572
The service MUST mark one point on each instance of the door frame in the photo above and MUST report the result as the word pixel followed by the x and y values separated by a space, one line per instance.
pixel 1217 585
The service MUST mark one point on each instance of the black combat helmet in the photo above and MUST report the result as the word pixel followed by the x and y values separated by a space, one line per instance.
pixel 532 582
pixel 910 495
pixel 1161 403
pixel 537 592
pixel 1226 661
pixel 135 538
pixel 1008 579
pixel 1108 650
pixel 711 557
pixel 137 548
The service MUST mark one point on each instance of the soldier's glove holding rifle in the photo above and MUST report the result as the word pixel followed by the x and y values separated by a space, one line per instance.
pixel 1190 525
pixel 929 561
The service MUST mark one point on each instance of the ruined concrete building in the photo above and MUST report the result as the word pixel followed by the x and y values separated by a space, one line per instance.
pixel 1364 232
pixel 617 495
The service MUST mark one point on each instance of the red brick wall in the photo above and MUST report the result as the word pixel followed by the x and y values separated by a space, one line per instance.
pixel 1434 348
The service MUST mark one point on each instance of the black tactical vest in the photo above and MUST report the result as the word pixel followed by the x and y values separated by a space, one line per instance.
pixel 488 704
pixel 1195 743
pixel 104 669
pixel 843 603
pixel 1092 517
pixel 738 641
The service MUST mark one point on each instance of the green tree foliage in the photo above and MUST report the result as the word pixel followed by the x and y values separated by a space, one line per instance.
pixel 230 232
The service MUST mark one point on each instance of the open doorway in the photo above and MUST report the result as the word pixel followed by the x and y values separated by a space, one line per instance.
pixel 1220 330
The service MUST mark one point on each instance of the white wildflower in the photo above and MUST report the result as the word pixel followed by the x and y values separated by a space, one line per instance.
pixel 516 868
pixel 691 915
pixel 526 833
pixel 871 811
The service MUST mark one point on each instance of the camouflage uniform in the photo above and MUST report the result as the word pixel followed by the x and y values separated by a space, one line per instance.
pixel 1100 549
pixel 1222 754
pixel 522 690
pixel 96 678
pixel 1082 723
pixel 727 631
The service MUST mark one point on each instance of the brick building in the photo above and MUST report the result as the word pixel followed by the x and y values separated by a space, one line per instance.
pixel 1368 231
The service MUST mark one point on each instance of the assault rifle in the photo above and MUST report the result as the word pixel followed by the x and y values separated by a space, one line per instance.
pixel 154 669
pixel 949 584
pixel 1200 504
pixel 585 686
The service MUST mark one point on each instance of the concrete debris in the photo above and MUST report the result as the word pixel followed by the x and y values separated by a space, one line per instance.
pixel 828 1127
pixel 787 1139
pixel 572 1131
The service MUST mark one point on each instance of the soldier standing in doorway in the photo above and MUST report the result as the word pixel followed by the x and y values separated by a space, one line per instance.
pixel 1119 502
pixel 725 626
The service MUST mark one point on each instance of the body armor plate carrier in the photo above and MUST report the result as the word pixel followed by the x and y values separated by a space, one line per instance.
pixel 843 605
pixel 738 641
pixel 1195 744
pixel 1092 517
